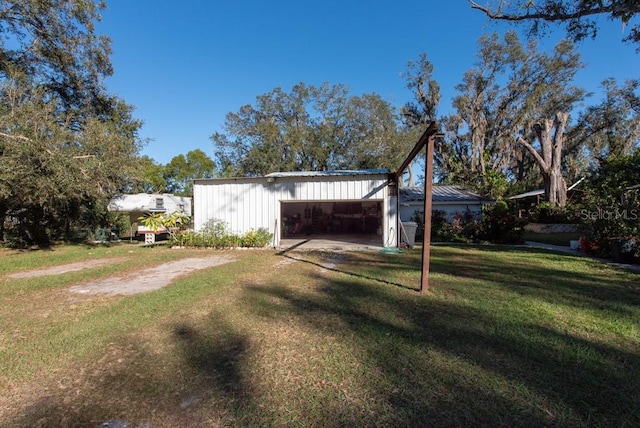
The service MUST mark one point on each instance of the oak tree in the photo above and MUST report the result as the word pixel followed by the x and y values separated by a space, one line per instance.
pixel 52 176
pixel 310 129
pixel 419 112
pixel 510 89
pixel 53 44
pixel 151 178
pixel 66 144
pixel 180 172
pixel 578 16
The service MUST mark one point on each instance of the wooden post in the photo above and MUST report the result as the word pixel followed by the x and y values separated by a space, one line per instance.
pixel 427 139
pixel 428 193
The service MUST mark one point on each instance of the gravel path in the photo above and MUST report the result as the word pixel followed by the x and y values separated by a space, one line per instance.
pixel 151 278
pixel 69 267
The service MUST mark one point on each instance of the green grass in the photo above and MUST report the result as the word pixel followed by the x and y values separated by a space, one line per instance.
pixel 505 337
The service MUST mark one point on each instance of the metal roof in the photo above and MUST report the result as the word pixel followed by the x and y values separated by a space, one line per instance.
pixel 528 194
pixel 541 191
pixel 328 173
pixel 440 194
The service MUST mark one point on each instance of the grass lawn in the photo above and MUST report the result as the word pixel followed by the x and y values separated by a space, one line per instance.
pixel 505 337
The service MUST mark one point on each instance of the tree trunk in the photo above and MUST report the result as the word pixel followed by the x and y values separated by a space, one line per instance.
pixel 3 216
pixel 411 181
pixel 478 136
pixel 558 190
pixel 550 158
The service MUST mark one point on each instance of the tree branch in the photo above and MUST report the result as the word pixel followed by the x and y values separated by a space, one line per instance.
pixel 614 8
pixel 534 153
pixel 15 137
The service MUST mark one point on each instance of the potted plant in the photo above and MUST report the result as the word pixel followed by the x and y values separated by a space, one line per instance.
pixel 585 244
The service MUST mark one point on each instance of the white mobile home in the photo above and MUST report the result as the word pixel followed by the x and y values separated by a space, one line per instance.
pixel 302 203
pixel 140 204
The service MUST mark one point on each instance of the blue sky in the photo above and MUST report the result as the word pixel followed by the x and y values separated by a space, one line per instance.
pixel 185 65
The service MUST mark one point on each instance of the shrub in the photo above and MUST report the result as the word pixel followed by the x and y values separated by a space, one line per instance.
pixel 215 234
pixel 611 202
pixel 418 218
pixel 454 231
pixel 544 212
pixel 500 225
pixel 214 227
pixel 440 230
pixel 257 238
pixel 463 228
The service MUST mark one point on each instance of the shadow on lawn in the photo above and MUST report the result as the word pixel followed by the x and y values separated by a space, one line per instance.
pixel 448 363
pixel 136 387
pixel 379 356
pixel 610 289
pixel 380 279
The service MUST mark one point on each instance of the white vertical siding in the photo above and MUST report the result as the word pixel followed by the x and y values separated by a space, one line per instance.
pixel 246 204
pixel 243 206
pixel 390 222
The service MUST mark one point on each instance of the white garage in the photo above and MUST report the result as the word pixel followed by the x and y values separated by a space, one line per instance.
pixel 311 204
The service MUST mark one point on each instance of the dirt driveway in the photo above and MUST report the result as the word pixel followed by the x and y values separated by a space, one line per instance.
pixel 141 281
pixel 69 267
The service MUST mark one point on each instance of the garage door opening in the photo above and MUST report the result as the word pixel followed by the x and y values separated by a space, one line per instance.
pixel 337 220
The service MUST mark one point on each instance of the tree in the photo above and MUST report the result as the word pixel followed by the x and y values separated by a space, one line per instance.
pixel 52 176
pixel 423 109
pixel 309 129
pixel 52 44
pixel 151 178
pixel 611 200
pixel 370 135
pixel 550 135
pixel 66 145
pixel 426 91
pixel 579 16
pixel 611 128
pixel 180 172
pixel 510 89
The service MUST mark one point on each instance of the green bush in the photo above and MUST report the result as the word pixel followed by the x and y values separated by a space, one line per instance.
pixel 546 213
pixel 257 238
pixel 418 218
pixel 611 203
pixel 215 234
pixel 500 225
pixel 214 227
pixel 450 232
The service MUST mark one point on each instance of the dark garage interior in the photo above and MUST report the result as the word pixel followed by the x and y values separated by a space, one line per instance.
pixel 331 218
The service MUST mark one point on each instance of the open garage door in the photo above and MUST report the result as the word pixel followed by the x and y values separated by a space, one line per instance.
pixel 339 220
